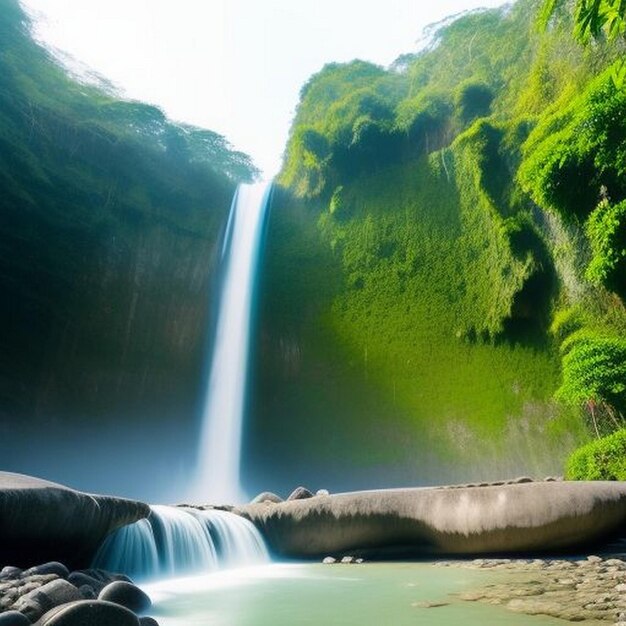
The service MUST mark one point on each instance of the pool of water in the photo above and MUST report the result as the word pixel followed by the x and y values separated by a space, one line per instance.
pixel 377 594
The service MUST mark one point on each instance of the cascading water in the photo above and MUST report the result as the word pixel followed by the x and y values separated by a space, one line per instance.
pixel 178 541
pixel 220 441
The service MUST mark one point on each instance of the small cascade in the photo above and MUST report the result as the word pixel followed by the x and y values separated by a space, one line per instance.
pixel 177 542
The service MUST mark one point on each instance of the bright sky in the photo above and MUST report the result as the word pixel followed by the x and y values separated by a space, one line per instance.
pixel 234 66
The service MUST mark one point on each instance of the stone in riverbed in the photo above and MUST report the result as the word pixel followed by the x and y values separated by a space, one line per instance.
pixel 79 580
pixel 329 560
pixel 35 603
pixel 91 613
pixel 127 595
pixel 429 605
pixel 103 575
pixel 148 621
pixel 87 592
pixel 14 618
pixel 10 572
pixel 52 567
pixel 266 496
pixel 300 493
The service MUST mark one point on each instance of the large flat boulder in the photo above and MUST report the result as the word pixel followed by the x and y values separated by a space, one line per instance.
pixel 43 521
pixel 512 518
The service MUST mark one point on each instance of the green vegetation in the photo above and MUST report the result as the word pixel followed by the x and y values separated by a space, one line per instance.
pixel 108 208
pixel 603 459
pixel 472 198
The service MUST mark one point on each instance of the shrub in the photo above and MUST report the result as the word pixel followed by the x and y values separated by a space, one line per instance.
pixel 603 459
pixel 606 230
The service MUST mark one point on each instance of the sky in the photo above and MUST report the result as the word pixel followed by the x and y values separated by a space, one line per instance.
pixel 233 66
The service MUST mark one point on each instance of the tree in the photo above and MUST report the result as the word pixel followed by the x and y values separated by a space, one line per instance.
pixel 594 20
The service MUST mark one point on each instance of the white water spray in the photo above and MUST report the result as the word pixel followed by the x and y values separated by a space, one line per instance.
pixel 222 421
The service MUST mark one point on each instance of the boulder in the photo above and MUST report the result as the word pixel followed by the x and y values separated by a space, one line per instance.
pixel 35 603
pixel 79 580
pixel 126 594
pixel 148 621
pixel 103 575
pixel 524 517
pixel 41 520
pixel 300 493
pixel 14 618
pixel 89 613
pixel 266 496
pixel 87 592
pixel 52 567
pixel 9 572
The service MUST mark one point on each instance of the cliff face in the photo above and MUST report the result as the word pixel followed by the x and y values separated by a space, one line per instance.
pixel 109 219
pixel 443 296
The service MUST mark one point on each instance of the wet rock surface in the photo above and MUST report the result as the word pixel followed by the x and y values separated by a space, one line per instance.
pixel 41 520
pixel 51 595
pixel 585 589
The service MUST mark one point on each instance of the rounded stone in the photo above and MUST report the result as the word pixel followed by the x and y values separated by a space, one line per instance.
pixel 127 595
pixel 266 496
pixel 36 602
pixel 300 493
pixel 10 572
pixel 52 567
pixel 89 612
pixel 14 618
pixel 148 621
pixel 87 591
pixel 78 579
pixel 322 492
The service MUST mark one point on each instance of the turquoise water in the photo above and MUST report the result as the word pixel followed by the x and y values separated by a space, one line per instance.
pixel 380 594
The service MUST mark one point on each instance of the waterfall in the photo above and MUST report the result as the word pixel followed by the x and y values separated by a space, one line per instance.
pixel 176 541
pixel 220 441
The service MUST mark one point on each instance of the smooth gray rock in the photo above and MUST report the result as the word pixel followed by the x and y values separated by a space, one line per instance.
pixel 87 592
pixel 10 572
pixel 35 603
pixel 41 520
pixel 266 496
pixel 126 594
pixel 14 618
pixel 148 621
pixel 300 493
pixel 52 567
pixel 80 580
pixel 89 613
pixel 103 575
pixel 512 518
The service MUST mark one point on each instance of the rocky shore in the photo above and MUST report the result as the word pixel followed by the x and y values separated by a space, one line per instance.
pixel 591 588
pixel 51 595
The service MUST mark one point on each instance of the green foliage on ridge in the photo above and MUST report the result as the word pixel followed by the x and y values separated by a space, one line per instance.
pixel 473 196
pixel 102 202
